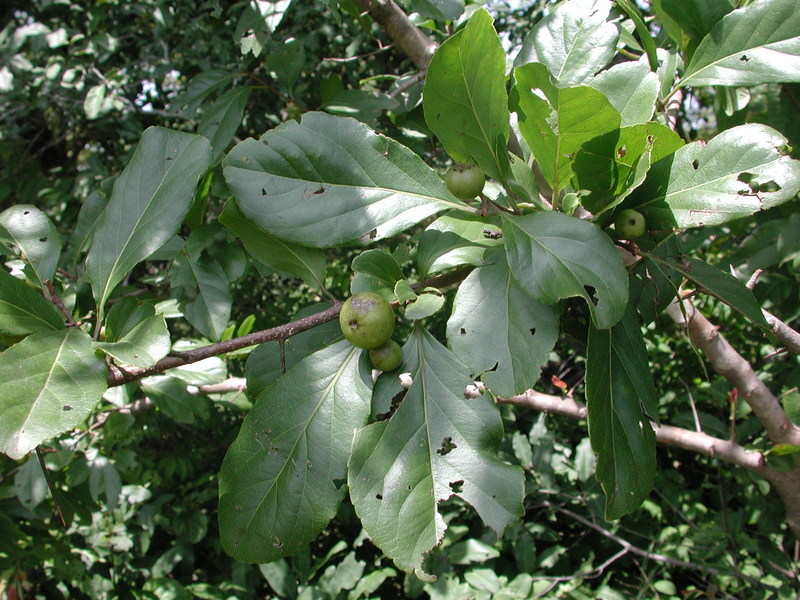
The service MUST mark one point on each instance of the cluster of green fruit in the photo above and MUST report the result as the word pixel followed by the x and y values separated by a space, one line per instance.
pixel 367 321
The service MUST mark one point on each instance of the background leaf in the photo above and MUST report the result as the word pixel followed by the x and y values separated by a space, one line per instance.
pixel 150 199
pixel 380 265
pixel 203 289
pixel 620 396
pixel 465 100
pixel 34 237
pixel 64 382
pixel 306 263
pixel 574 41
pixel 436 445
pixel 696 17
pixel 498 331
pixel 547 255
pixel 759 43
pixel 143 346
pixel 331 180
pixel 739 172
pixel 221 120
pixel 278 482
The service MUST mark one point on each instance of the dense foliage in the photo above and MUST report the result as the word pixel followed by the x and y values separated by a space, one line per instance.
pixel 190 189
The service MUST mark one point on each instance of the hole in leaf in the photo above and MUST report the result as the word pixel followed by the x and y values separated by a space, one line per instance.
pixel 457 486
pixel 769 186
pixel 533 330
pixel 744 58
pixel 66 408
pixel 379 497
pixel 338 483
pixel 409 488
pixel 263 192
pixel 462 331
pixel 43 239
pixel 695 164
pixel 321 190
pixel 621 152
pixel 590 294
pixel 494 367
pixel 447 446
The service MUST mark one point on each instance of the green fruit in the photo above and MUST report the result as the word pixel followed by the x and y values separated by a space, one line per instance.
pixel 367 320
pixel 464 181
pixel 386 357
pixel 630 224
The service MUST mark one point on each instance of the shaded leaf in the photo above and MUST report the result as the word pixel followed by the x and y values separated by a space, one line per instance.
pixel 306 263
pixel 64 382
pixel 620 396
pixel 204 292
pixel 380 265
pixel 436 445
pixel 453 240
pixel 547 253
pixel 465 100
pixel 150 199
pixel 23 310
pixel 331 180
pixel 221 120
pixel 278 485
pixel 173 399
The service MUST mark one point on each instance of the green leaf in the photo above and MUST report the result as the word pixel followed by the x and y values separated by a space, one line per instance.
pixel 465 100
pixel 696 17
pixel 364 105
pixel 574 41
pixel 620 396
pixel 718 283
pixel 150 199
pixel 263 366
pixel 23 310
pixel 759 43
pixel 306 263
pixel 204 292
pixel 287 63
pixel 173 399
pixel 453 240
pixel 200 87
pixel 556 126
pixel 613 165
pixel 497 330
pixel 88 217
pixel 125 314
pixel 440 10
pixel 423 306
pixel 378 264
pixel 436 445
pixel 739 172
pixel 631 88
pixel 547 253
pixel 34 237
pixel 279 480
pixel 331 180
pixel 143 346
pixel 63 382
pixel 653 284
pixel 221 120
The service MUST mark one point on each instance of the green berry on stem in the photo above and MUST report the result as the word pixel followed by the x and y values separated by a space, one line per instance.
pixel 464 181
pixel 367 320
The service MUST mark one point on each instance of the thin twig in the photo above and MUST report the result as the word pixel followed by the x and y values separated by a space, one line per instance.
pixel 51 290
